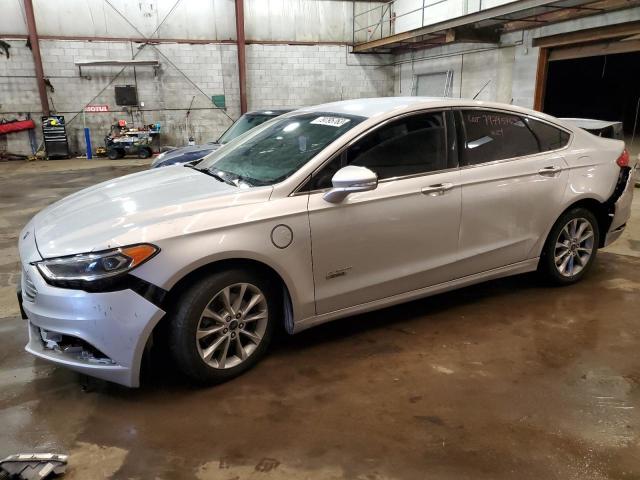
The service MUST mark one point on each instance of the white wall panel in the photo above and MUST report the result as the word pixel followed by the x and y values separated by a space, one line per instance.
pixel 198 19
pixel 265 20
pixel 11 17
pixel 80 18
pixel 191 19
pixel 300 20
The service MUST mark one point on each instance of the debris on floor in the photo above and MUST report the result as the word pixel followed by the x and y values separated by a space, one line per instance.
pixel 33 466
pixel 8 157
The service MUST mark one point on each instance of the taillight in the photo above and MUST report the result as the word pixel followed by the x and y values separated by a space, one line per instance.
pixel 623 159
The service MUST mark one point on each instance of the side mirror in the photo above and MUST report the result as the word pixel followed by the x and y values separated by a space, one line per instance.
pixel 348 180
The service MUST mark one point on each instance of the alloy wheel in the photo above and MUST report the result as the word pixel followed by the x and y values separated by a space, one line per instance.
pixel 574 247
pixel 232 325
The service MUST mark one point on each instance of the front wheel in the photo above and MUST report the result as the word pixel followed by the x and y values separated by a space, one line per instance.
pixel 144 153
pixel 571 247
pixel 223 325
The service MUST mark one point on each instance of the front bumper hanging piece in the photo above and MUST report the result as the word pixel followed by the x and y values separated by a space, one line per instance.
pixel 33 466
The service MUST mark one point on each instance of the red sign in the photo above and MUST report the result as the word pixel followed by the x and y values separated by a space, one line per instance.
pixel 96 108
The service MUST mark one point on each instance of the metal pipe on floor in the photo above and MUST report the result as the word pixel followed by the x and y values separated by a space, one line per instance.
pixel 242 64
pixel 37 59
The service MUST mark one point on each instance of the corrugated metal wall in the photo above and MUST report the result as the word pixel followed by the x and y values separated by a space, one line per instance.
pixel 265 20
pixel 12 19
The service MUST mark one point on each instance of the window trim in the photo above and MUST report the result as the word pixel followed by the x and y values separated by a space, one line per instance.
pixel 341 150
pixel 457 111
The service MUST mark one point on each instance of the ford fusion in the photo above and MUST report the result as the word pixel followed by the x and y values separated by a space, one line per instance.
pixel 316 215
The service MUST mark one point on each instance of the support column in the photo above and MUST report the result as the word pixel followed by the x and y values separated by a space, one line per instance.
pixel 541 79
pixel 37 59
pixel 242 64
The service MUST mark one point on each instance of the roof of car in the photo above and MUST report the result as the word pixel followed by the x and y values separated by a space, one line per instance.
pixel 367 107
pixel 372 107
pixel 271 111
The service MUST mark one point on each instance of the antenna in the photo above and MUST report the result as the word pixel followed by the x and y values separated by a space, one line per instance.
pixel 480 91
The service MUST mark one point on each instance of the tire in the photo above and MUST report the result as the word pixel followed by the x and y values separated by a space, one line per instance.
pixel 567 264
pixel 113 154
pixel 144 153
pixel 201 309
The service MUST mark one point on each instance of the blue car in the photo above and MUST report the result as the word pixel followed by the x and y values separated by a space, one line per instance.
pixel 197 152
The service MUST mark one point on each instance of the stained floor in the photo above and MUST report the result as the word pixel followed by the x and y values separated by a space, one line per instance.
pixel 505 380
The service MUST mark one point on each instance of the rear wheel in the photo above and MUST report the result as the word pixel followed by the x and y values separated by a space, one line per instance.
pixel 223 325
pixel 113 154
pixel 571 247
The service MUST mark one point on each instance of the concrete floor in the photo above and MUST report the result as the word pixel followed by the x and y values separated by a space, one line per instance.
pixel 508 379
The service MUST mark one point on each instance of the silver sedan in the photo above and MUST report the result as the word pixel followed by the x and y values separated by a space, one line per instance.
pixel 319 214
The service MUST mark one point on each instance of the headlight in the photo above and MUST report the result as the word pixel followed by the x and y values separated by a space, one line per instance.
pixel 87 268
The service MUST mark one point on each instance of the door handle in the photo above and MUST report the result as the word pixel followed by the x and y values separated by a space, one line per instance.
pixel 549 171
pixel 437 189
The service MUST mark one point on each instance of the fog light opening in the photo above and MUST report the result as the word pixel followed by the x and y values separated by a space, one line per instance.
pixel 73 347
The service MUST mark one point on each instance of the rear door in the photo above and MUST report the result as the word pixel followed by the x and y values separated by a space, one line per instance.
pixel 399 237
pixel 512 177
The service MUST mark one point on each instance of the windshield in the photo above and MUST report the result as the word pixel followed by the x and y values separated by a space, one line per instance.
pixel 277 149
pixel 245 123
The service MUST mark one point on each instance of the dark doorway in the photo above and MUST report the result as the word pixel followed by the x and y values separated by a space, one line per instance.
pixel 604 87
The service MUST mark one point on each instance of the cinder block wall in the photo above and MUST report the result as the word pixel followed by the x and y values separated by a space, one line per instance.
pixel 278 75
pixel 18 94
pixel 298 75
pixel 211 68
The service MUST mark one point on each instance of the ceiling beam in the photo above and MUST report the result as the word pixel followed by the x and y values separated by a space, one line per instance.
pixel 570 13
pixel 588 35
pixel 592 50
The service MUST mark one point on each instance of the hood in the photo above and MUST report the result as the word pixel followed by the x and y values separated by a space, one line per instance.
pixel 184 154
pixel 120 211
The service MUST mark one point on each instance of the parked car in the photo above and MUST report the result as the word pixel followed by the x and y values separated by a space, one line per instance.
pixel 192 153
pixel 323 213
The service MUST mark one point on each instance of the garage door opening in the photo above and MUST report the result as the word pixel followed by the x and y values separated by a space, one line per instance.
pixel 603 87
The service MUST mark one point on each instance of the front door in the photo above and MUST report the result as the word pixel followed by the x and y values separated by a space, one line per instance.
pixel 399 237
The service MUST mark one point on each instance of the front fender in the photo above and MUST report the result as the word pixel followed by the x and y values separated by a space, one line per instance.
pixel 250 240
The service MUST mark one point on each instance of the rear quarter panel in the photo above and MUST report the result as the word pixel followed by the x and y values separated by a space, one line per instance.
pixel 592 174
pixel 593 171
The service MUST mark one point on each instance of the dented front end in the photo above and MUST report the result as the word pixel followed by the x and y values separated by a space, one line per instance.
pixel 98 334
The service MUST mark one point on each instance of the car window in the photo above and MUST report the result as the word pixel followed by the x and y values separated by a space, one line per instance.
pixel 276 149
pixel 245 123
pixel 408 146
pixel 549 137
pixel 489 136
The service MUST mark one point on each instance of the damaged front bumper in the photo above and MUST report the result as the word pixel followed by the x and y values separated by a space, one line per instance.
pixel 98 334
